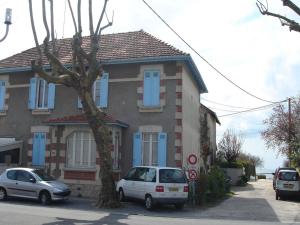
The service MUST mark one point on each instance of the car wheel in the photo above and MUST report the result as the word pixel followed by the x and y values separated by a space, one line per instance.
pixel 3 194
pixel 148 202
pixel 121 195
pixel 45 198
pixel 179 206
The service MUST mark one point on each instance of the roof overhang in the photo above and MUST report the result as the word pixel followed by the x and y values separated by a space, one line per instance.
pixel 7 144
pixel 118 124
pixel 185 58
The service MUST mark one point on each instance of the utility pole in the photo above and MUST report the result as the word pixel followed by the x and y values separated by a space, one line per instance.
pixel 290 125
pixel 7 22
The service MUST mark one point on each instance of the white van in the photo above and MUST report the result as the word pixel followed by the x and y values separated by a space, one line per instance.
pixel 165 185
pixel 287 183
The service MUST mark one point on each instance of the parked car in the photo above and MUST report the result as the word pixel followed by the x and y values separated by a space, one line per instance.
pixel 164 185
pixel 275 174
pixel 33 184
pixel 287 183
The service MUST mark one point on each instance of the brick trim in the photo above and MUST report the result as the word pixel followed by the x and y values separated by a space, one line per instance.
pixel 80 175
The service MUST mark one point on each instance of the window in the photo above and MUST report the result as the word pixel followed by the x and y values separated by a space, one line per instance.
pixel 150 175
pixel 24 176
pixel 115 153
pixel 81 150
pixel 171 176
pixel 99 92
pixel 151 96
pixel 11 174
pixel 41 94
pixel 150 148
pixel 2 95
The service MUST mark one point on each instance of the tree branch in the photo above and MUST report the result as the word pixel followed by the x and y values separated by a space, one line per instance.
pixel 79 17
pixel 293 25
pixel 292 6
pixel 101 17
pixel 34 32
pixel 73 17
pixel 91 17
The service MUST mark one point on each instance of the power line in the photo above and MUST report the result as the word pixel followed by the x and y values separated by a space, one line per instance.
pixel 196 52
pixel 224 110
pixel 238 107
pixel 253 109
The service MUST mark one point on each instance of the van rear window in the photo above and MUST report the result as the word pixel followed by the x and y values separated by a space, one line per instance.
pixel 288 176
pixel 171 176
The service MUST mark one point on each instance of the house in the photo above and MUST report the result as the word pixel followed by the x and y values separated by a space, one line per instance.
pixel 150 92
pixel 208 121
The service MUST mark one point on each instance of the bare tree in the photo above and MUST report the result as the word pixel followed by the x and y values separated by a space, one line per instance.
pixel 81 77
pixel 285 21
pixel 278 135
pixel 230 146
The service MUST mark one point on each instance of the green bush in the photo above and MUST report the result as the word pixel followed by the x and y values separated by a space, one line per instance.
pixel 210 187
pixel 231 164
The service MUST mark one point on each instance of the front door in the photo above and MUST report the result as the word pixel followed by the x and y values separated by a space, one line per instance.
pixel 39 147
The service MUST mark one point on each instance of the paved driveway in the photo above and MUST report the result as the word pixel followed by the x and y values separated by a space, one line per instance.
pixel 254 204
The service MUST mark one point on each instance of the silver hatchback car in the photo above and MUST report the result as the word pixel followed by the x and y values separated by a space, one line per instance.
pixel 33 184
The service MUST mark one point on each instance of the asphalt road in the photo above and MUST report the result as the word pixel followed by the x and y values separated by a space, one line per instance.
pixel 254 204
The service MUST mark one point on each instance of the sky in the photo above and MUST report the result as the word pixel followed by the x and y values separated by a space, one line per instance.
pixel 254 51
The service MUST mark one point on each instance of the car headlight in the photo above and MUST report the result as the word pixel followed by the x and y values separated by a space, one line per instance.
pixel 57 190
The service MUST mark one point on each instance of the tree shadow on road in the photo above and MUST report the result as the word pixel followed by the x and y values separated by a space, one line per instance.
pixel 112 219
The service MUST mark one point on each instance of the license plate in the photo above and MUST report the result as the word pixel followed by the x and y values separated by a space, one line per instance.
pixel 173 189
pixel 289 186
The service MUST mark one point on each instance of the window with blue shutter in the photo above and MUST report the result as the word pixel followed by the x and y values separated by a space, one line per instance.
pixel 151 96
pixel 137 149
pixel 162 149
pixel 39 149
pixel 99 92
pixel 41 94
pixel 2 95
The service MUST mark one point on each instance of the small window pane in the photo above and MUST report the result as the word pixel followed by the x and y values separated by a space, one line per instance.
pixel 11 174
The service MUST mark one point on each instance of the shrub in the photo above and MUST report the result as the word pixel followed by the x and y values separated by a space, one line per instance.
pixel 261 177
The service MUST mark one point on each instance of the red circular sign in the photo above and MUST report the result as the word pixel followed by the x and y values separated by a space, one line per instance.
pixel 192 159
pixel 192 174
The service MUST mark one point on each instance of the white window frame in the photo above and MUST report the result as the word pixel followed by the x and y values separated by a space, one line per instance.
pixel 115 153
pixel 72 162
pixel 151 143
pixel 44 99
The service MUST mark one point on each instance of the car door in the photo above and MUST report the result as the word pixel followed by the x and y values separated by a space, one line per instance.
pixel 138 183
pixel 25 185
pixel 128 183
pixel 10 182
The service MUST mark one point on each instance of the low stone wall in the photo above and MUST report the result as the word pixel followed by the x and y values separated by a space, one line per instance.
pixel 84 190
pixel 235 174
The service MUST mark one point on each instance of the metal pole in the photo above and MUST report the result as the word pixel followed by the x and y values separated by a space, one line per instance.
pixel 290 124
pixel 7 22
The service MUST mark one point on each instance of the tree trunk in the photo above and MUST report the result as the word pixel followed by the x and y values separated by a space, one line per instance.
pixel 96 119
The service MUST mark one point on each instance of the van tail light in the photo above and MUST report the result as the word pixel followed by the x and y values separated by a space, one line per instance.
pixel 186 189
pixel 159 189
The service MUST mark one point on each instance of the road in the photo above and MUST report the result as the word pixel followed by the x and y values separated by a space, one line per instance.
pixel 254 204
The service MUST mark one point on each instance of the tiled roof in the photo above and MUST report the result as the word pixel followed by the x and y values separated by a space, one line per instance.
pixel 81 119
pixel 120 46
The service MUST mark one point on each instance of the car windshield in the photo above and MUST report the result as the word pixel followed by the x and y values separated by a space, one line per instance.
pixel 42 175
pixel 171 176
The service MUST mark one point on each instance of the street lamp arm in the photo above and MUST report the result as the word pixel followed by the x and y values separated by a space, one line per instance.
pixel 6 33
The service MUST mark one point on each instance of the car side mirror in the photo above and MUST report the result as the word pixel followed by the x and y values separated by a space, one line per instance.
pixel 273 174
pixel 32 180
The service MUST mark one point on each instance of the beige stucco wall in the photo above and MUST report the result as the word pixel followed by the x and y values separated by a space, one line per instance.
pixel 190 118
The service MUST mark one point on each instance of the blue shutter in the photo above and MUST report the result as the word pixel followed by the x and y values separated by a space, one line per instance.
pixel 51 95
pixel 137 149
pixel 42 149
pixel 162 149
pixel 35 150
pixel 104 90
pixel 32 93
pixel 156 89
pixel 2 95
pixel 79 105
pixel 147 100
